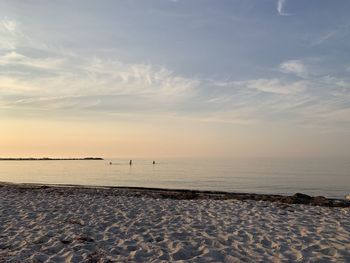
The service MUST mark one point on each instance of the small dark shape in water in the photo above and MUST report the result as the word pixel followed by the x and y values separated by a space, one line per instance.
pixel 300 198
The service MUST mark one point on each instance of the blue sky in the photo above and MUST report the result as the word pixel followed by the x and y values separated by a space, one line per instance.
pixel 233 66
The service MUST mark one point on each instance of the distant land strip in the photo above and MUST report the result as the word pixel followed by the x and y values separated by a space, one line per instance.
pixel 51 159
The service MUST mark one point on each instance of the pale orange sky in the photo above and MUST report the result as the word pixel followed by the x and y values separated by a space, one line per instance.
pixel 162 137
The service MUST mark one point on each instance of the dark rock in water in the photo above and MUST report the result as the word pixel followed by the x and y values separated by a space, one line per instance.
pixel 322 201
pixel 319 198
pixel 300 198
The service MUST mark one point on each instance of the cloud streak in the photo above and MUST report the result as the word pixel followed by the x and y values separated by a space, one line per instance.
pixel 56 81
pixel 280 8
pixel 296 67
pixel 16 59
pixel 276 86
pixel 324 38
pixel 62 74
pixel 8 34
pixel 94 77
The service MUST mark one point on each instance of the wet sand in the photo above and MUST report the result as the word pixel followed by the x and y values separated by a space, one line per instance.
pixel 79 224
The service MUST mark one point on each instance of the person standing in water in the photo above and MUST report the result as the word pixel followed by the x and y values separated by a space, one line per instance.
pixel 154 162
pixel 130 162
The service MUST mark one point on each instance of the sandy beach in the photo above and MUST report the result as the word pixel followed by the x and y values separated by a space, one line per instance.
pixel 55 224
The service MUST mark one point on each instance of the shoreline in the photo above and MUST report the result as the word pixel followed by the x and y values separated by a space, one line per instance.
pixel 185 194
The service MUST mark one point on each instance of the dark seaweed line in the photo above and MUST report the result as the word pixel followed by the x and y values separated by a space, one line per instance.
pixel 183 194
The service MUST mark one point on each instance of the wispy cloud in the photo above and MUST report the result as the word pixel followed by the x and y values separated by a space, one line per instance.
pixel 57 74
pixel 8 25
pixel 316 100
pixel 98 76
pixel 58 80
pixel 15 85
pixel 339 30
pixel 296 67
pixel 14 58
pixel 276 86
pixel 320 40
pixel 12 37
pixel 334 81
pixel 8 34
pixel 75 82
pixel 142 79
pixel 280 8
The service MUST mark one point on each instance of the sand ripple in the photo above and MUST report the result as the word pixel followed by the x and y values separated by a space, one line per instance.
pixel 50 225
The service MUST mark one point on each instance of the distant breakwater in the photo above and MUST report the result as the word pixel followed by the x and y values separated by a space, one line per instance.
pixel 52 159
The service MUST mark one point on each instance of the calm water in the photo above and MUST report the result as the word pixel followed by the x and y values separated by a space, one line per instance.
pixel 317 177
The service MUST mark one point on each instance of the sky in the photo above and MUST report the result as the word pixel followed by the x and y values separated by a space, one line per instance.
pixel 175 78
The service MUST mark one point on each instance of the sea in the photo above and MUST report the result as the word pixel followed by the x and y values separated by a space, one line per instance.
pixel 326 177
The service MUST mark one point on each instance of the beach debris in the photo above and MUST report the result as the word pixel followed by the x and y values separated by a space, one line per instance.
pixel 39 257
pixel 75 221
pixel 66 241
pixel 83 239
pixel 97 257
